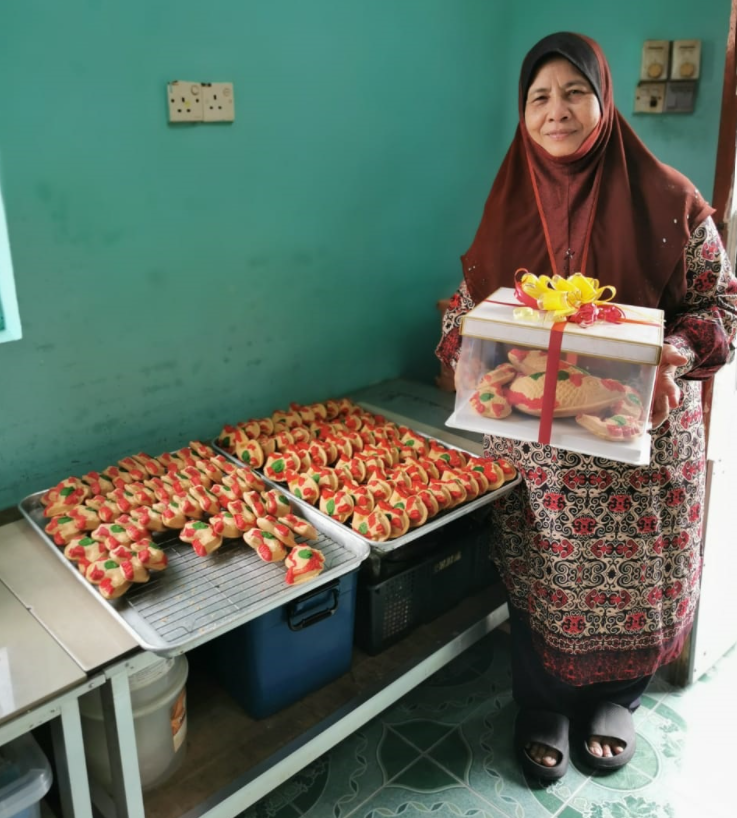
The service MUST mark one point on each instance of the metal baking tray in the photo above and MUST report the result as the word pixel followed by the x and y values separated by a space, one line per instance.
pixel 319 519
pixel 196 598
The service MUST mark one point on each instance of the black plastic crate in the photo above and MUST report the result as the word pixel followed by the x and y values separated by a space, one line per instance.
pixel 397 595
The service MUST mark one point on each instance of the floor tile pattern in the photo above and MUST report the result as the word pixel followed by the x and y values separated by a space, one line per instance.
pixel 444 751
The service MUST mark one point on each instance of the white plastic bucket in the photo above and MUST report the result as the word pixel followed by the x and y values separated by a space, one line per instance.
pixel 159 700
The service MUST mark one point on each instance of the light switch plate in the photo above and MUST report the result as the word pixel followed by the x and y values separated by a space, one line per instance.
pixel 686 60
pixel 185 101
pixel 218 102
pixel 654 64
pixel 680 97
pixel 650 98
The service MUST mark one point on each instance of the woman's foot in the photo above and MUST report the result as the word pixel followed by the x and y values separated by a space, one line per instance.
pixel 605 746
pixel 542 754
pixel 611 737
pixel 541 741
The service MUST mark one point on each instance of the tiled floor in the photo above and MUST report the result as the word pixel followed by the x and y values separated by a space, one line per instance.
pixel 445 750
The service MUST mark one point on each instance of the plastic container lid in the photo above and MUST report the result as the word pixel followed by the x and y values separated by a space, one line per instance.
pixel 149 689
pixel 25 775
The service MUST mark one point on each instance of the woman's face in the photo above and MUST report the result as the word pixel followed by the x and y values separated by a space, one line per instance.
pixel 561 108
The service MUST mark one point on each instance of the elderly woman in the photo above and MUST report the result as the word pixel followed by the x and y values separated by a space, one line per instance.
pixel 601 560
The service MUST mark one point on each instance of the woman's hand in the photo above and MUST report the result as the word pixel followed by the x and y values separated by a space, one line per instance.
pixel 666 395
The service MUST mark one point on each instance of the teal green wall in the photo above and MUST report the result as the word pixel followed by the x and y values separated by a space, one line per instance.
pixel 171 279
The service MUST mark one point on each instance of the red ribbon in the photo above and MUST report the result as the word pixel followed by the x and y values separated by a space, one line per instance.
pixel 551 382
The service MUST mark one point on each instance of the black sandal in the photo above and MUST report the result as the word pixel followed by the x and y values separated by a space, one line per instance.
pixel 611 721
pixel 542 727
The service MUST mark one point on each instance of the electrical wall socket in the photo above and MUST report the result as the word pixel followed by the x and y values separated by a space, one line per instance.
pixel 185 101
pixel 650 98
pixel 218 102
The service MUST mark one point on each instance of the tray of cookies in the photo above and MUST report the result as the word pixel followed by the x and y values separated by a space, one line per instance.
pixel 385 483
pixel 185 546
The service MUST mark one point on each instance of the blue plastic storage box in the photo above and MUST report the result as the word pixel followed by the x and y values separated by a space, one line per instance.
pixel 284 654
pixel 25 777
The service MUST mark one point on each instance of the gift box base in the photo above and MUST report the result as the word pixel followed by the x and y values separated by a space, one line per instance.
pixel 278 658
pixel 565 434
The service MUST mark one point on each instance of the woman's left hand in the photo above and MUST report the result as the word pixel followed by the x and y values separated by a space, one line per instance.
pixel 666 395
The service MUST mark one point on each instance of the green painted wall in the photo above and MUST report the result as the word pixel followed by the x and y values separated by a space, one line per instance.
pixel 171 279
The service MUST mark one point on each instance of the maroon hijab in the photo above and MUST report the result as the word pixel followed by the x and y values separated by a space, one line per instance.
pixel 625 217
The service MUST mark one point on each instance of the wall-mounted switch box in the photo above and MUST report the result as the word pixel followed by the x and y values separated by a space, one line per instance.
pixel 218 102
pixel 185 101
pixel 679 97
pixel 650 98
pixel 654 65
pixel 686 62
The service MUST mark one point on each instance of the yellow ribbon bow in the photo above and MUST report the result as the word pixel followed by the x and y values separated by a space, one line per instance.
pixel 560 297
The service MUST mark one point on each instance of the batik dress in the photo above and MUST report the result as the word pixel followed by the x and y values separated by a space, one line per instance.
pixel 602 560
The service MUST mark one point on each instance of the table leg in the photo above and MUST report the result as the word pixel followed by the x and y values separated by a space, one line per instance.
pixel 121 746
pixel 66 732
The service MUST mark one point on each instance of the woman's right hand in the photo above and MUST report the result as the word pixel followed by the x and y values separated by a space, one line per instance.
pixel 666 395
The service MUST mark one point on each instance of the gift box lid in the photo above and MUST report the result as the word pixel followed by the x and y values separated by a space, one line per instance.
pixel 638 340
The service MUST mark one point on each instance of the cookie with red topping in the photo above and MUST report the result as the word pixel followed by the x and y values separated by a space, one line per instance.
pixel 195 476
pixel 282 532
pixel 303 487
pixel 243 517
pixel 224 525
pixel 134 469
pixel 405 500
pixel 207 501
pixel 265 544
pixel 225 494
pixel 616 427
pixel 202 450
pixel 144 496
pixel 373 525
pixel 249 451
pixel 107 510
pixel 491 403
pixel 427 498
pixel 300 526
pixel 118 477
pixel 85 548
pixel 172 514
pixel 277 465
pixel 456 489
pixel 244 479
pixel 336 504
pixel 361 495
pixel 253 501
pixel 352 468
pixel 67 494
pixel 508 470
pixel 477 471
pixel 277 504
pixel 202 538
pixel 150 555
pixel 398 519
pixel 441 493
pixel 303 564
pixel 415 441
pixel 150 465
pixel 97 483
pixel 380 489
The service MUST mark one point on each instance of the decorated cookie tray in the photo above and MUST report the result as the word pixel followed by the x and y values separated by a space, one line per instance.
pixel 196 599
pixel 323 522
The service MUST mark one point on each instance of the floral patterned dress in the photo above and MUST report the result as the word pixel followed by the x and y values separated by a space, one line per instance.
pixel 601 559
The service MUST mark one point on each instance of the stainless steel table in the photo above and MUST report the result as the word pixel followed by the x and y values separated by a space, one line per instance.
pixel 104 646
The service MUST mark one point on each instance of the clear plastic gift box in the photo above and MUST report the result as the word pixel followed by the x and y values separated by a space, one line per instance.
pixel 604 376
